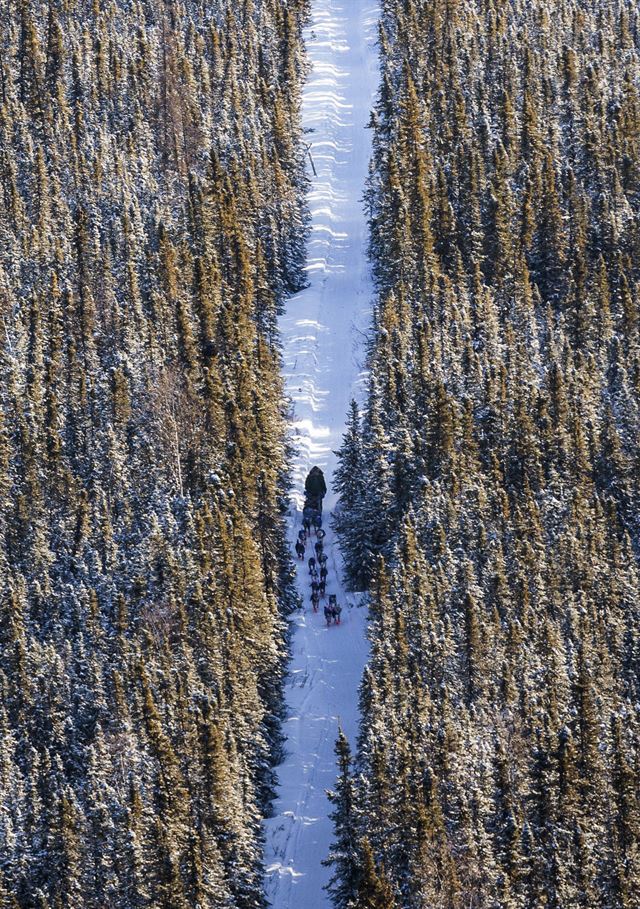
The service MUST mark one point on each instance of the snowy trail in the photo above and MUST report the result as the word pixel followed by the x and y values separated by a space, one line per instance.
pixel 322 333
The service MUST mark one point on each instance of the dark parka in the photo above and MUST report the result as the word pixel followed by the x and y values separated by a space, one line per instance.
pixel 315 486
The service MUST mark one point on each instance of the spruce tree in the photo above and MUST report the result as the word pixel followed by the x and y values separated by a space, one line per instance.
pixel 345 856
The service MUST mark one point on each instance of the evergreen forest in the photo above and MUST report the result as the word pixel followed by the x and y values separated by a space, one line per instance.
pixel 152 222
pixel 490 485
pixel 180 248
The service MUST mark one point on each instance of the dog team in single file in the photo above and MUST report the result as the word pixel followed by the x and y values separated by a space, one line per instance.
pixel 315 490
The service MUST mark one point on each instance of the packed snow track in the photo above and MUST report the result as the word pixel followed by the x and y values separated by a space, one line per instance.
pixel 322 333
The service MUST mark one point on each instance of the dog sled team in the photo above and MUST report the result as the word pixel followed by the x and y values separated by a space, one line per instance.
pixel 315 490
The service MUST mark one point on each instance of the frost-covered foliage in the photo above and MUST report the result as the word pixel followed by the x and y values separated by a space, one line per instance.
pixel 151 224
pixel 499 754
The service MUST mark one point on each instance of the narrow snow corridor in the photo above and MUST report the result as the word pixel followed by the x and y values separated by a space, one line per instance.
pixel 322 333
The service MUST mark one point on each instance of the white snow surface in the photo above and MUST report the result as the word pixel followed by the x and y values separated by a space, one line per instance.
pixel 323 332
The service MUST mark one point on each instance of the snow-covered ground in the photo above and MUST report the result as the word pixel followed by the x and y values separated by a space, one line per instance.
pixel 322 332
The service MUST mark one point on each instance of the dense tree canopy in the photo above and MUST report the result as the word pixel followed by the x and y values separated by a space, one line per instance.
pixel 151 223
pixel 495 516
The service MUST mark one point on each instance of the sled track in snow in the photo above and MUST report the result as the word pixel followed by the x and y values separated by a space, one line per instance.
pixel 321 331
